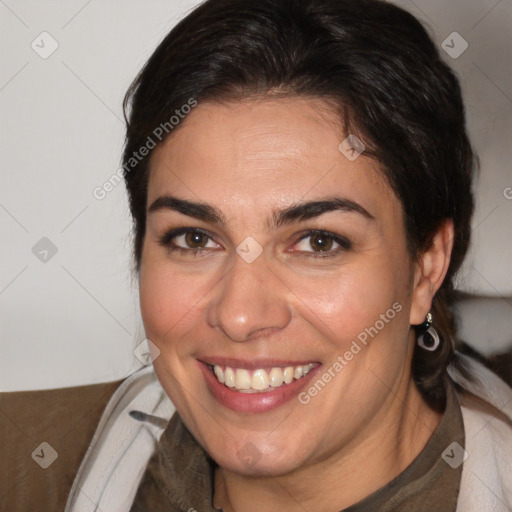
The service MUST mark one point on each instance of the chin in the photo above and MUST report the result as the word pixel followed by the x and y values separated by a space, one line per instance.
pixel 253 458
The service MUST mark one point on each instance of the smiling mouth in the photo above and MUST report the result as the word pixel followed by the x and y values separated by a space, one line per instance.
pixel 261 380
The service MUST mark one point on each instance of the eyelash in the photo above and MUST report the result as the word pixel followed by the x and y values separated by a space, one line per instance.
pixel 344 244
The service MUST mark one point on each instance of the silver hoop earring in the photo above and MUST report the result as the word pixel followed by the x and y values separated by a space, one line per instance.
pixel 429 340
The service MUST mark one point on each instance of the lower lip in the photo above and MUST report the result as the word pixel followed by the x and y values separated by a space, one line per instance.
pixel 254 402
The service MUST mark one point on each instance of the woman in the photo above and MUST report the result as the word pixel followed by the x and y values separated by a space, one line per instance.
pixel 300 177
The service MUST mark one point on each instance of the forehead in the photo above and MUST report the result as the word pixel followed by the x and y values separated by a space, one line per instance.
pixel 265 154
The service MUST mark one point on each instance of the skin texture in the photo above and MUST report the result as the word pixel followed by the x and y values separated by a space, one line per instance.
pixel 249 159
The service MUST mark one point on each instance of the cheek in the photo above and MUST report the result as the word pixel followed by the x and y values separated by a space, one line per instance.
pixel 174 300
pixel 167 300
pixel 343 305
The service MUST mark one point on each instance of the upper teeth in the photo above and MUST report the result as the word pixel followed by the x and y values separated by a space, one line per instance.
pixel 259 380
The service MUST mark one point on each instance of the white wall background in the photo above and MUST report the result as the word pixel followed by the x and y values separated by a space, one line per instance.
pixel 73 319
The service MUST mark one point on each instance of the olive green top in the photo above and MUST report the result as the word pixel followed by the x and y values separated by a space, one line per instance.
pixel 180 474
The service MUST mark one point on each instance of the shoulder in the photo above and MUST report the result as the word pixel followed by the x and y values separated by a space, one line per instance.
pixel 486 405
pixel 124 440
pixel 45 434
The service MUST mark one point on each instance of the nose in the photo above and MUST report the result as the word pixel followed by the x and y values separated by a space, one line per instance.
pixel 249 302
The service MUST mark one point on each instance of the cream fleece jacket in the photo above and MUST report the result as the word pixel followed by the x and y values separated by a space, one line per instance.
pixel 113 466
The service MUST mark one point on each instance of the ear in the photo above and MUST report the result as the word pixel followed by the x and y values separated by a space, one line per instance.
pixel 430 271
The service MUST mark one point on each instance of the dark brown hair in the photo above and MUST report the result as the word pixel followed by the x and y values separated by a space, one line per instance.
pixel 374 61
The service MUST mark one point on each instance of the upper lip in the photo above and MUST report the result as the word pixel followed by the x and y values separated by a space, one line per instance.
pixel 253 364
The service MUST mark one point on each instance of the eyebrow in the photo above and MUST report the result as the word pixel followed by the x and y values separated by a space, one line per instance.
pixel 295 212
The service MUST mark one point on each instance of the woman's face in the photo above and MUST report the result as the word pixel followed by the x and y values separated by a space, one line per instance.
pixel 289 253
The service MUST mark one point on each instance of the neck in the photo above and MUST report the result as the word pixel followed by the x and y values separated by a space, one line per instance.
pixel 395 437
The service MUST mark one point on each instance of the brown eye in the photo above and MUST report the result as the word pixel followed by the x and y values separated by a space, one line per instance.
pixel 195 239
pixel 186 240
pixel 321 242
